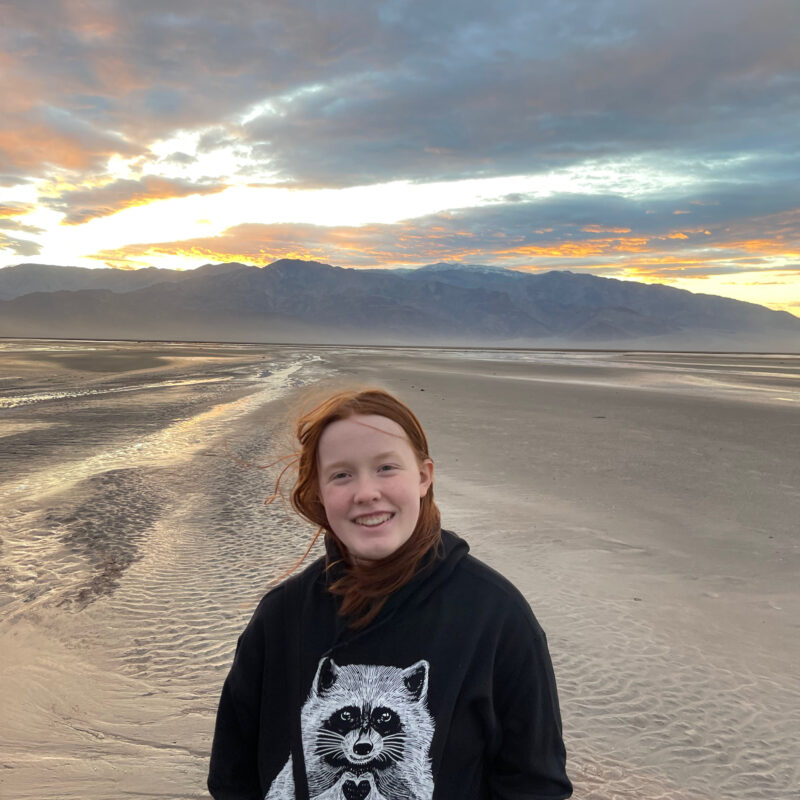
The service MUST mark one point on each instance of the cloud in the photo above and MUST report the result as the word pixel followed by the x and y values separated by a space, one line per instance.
pixel 538 87
pixel 126 74
pixel 45 138
pixel 9 214
pixel 21 247
pixel 561 232
pixel 253 244
pixel 9 210
pixel 16 225
pixel 82 205
pixel 180 158
pixel 363 92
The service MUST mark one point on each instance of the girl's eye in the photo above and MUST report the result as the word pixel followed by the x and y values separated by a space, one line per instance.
pixel 385 468
pixel 338 475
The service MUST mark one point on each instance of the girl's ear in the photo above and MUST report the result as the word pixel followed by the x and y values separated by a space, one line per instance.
pixel 425 476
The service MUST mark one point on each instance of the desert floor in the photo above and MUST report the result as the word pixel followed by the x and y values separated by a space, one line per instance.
pixel 646 504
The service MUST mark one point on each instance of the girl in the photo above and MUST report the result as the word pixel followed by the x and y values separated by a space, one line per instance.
pixel 397 667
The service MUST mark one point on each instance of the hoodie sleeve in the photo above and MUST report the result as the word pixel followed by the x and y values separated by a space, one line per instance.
pixel 233 772
pixel 531 760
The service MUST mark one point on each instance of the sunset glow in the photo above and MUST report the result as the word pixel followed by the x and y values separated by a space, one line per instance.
pixel 612 139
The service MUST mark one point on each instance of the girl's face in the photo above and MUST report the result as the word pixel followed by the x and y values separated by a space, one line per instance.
pixel 370 484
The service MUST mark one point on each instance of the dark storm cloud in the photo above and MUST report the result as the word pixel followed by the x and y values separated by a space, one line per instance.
pixel 363 91
pixel 82 205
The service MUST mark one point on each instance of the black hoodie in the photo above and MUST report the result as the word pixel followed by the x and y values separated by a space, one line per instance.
pixel 448 694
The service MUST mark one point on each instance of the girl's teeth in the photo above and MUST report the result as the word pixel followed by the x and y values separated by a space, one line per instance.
pixel 376 520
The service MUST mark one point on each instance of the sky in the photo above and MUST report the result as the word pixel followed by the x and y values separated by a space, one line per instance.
pixel 631 139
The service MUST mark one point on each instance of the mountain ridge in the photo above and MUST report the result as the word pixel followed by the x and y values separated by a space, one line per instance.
pixel 313 302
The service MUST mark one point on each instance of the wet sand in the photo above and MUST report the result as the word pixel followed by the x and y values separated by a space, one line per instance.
pixel 646 505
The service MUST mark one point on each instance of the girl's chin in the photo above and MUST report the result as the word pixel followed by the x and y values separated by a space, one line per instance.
pixel 367 544
pixel 376 552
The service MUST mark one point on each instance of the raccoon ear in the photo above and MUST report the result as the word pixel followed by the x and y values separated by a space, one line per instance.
pixel 327 672
pixel 415 679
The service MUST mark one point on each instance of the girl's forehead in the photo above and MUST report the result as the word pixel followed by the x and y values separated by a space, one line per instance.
pixel 360 431
pixel 363 425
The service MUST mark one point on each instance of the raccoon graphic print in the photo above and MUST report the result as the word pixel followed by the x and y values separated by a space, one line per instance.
pixel 366 734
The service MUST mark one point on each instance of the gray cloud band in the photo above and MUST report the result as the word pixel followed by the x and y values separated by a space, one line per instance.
pixel 374 92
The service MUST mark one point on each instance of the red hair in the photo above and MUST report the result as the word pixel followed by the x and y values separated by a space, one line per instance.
pixel 363 589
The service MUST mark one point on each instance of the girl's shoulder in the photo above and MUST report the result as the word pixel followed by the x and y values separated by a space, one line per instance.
pixel 491 589
pixel 490 580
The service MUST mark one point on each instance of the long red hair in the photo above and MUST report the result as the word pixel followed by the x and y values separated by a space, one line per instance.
pixel 364 589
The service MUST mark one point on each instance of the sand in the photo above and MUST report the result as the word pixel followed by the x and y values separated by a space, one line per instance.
pixel 645 504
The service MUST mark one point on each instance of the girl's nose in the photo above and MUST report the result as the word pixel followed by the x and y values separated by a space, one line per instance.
pixel 366 491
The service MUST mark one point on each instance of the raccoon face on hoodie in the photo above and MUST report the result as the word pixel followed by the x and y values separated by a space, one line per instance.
pixel 368 720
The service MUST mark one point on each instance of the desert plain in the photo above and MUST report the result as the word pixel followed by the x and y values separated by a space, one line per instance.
pixel 646 504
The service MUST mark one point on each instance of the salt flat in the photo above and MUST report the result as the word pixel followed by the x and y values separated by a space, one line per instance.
pixel 646 504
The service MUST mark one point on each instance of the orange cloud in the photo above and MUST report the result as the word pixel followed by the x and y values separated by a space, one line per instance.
pixel 19 92
pixel 579 249
pixel 764 246
pixel 11 215
pixel 82 205
pixel 136 256
pixel 690 253
pixel 9 210
pixel 603 229
pixel 369 245
pixel 37 145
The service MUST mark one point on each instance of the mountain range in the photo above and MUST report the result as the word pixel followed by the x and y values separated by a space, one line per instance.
pixel 440 304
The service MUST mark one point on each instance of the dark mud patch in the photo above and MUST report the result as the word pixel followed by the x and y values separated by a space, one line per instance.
pixel 106 529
